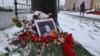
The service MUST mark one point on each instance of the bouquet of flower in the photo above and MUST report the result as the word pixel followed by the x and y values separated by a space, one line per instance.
pixel 54 44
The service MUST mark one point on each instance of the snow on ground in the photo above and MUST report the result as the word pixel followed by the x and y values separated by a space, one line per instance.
pixel 85 32
pixel 78 14
pixel 6 36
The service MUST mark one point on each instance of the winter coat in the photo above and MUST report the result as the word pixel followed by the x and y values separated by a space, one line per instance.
pixel 82 7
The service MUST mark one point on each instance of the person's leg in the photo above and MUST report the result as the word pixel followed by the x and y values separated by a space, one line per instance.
pixel 80 13
pixel 83 13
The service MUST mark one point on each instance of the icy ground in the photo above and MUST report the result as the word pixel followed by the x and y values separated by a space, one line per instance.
pixel 86 32
pixel 78 14
pixel 5 37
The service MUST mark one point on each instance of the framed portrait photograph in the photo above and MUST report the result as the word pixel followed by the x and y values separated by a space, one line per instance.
pixel 45 26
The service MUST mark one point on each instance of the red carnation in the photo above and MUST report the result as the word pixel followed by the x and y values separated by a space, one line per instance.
pixel 46 39
pixel 67 50
pixel 25 21
pixel 35 38
pixel 67 46
pixel 22 37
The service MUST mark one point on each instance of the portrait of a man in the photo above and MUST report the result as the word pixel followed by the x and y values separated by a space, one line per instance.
pixel 45 26
pixel 47 30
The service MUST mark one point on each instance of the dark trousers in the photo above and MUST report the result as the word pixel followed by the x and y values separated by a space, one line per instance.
pixel 82 11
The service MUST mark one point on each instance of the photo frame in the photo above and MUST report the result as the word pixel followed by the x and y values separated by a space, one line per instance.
pixel 45 25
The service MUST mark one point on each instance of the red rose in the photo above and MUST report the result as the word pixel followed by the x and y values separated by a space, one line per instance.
pixel 67 46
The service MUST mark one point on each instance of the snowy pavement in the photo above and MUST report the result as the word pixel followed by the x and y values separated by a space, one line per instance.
pixel 91 16
pixel 5 37
pixel 86 32
pixel 5 19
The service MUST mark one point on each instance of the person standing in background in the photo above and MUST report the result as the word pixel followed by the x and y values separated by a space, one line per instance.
pixel 82 8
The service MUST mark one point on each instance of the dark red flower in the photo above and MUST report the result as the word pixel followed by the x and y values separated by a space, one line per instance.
pixel 67 46
pixel 27 32
pixel 67 50
pixel 41 38
pixel 35 38
pixel 69 40
pixel 25 21
pixel 34 27
pixel 46 39
pixel 15 42
pixel 22 37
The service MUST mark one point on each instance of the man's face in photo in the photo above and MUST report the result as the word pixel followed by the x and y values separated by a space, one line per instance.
pixel 47 27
